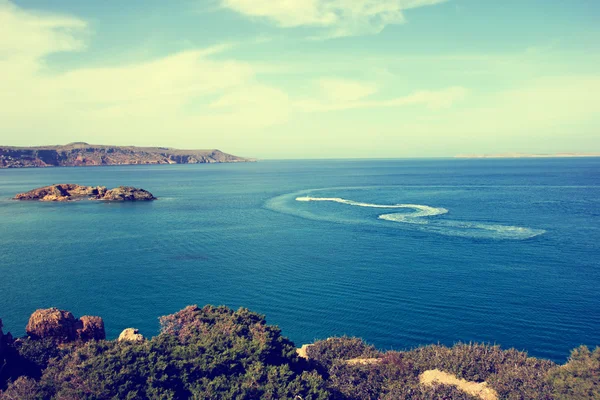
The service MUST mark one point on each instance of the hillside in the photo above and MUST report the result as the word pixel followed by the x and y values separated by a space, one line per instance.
pixel 83 154
pixel 218 353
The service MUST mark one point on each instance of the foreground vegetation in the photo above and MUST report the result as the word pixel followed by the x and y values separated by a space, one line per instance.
pixel 217 353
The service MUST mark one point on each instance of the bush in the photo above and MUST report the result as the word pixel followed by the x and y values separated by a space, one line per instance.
pixel 523 381
pixel 22 389
pixel 28 358
pixel 209 353
pixel 326 352
pixel 472 361
pixel 34 355
pixel 580 377
pixel 393 378
pixel 218 353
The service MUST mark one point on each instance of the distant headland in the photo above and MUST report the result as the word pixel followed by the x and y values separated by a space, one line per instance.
pixel 80 154
pixel 528 155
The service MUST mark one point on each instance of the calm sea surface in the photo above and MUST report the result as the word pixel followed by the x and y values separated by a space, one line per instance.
pixel 398 252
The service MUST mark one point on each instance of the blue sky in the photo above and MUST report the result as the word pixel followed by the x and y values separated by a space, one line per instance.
pixel 304 78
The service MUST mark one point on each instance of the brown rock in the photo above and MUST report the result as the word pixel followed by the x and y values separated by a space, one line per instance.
pixel 90 328
pixel 127 193
pixel 61 192
pixel 53 323
pixel 62 327
pixel 131 335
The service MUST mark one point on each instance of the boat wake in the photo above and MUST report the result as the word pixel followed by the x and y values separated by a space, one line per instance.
pixel 422 218
pixel 412 218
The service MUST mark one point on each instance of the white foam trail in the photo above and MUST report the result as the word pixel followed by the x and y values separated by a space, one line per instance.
pixel 349 202
pixel 444 227
pixel 422 211
pixel 416 217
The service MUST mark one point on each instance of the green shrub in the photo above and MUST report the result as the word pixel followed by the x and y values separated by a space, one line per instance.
pixel 326 352
pixel 34 355
pixel 579 378
pixel 523 381
pixel 22 389
pixel 212 353
pixel 218 353
pixel 472 361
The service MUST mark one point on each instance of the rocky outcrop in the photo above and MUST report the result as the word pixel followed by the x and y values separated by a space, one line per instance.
pixel 62 327
pixel 4 340
pixel 126 193
pixel 83 154
pixel 90 328
pixel 62 192
pixel 70 191
pixel 53 323
pixel 131 335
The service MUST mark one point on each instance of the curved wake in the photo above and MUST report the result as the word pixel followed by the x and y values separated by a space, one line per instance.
pixel 421 219
pixel 412 218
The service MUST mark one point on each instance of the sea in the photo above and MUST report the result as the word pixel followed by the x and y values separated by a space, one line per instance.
pixel 399 252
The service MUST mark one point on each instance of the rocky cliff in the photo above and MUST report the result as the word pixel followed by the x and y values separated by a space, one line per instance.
pixel 3 343
pixel 83 154
pixel 71 191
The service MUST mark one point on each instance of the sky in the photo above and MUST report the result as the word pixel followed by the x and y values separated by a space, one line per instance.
pixel 304 78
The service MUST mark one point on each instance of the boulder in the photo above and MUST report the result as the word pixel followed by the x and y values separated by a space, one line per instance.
pixel 127 193
pixel 53 323
pixel 131 335
pixel 62 327
pixel 90 328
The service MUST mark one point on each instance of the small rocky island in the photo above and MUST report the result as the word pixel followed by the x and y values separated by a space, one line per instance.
pixel 71 192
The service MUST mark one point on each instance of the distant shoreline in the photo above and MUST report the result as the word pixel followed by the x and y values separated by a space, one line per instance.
pixel 526 155
pixel 80 154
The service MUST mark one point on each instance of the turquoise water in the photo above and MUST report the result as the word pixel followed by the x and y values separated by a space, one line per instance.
pixel 399 252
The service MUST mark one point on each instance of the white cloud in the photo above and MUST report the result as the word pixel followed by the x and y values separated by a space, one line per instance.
pixel 542 106
pixel 340 95
pixel 139 102
pixel 25 34
pixel 207 98
pixel 546 115
pixel 192 93
pixel 341 90
pixel 339 17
